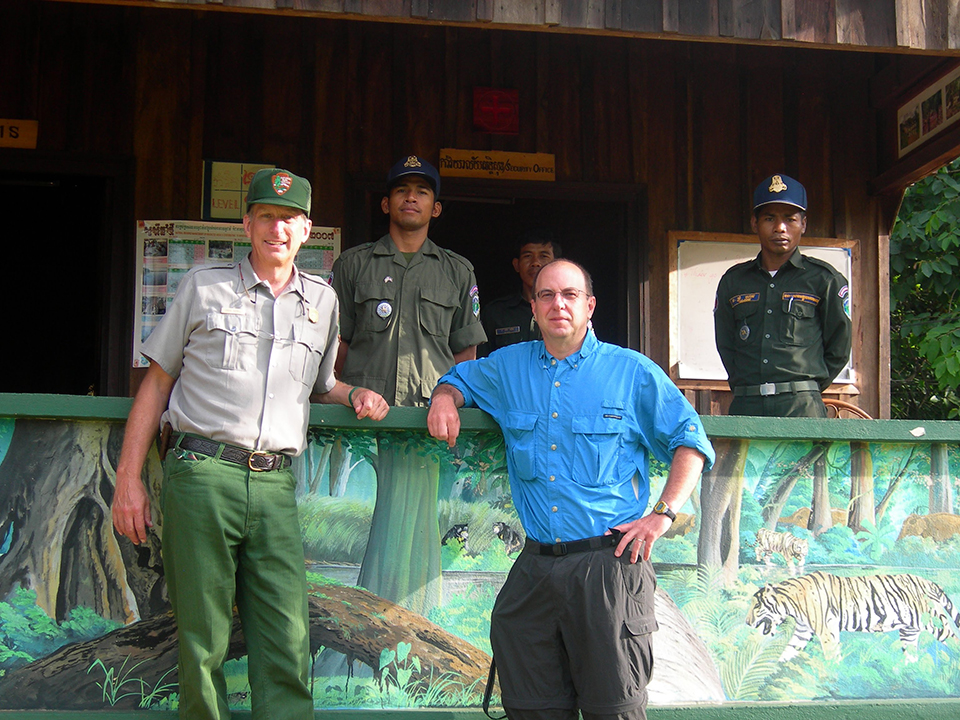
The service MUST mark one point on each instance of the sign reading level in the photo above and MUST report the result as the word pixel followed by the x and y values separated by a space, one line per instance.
pixel 19 133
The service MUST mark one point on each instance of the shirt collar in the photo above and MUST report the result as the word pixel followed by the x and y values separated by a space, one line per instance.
pixel 796 259
pixel 386 246
pixel 249 280
pixel 587 348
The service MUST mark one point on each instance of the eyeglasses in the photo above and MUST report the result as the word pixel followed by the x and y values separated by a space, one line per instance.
pixel 568 294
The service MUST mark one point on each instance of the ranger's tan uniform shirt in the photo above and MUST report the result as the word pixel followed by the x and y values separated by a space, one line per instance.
pixel 246 363
pixel 403 321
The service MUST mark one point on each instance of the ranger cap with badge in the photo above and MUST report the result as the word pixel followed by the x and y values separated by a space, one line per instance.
pixel 780 189
pixel 276 186
pixel 413 165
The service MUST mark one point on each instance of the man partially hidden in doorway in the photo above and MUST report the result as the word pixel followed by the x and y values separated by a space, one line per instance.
pixel 508 319
pixel 782 320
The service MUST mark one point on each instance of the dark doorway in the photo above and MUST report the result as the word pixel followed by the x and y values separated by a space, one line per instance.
pixel 483 223
pixel 54 321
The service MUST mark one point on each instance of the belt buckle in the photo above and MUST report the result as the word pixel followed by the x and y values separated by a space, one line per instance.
pixel 560 549
pixel 768 389
pixel 250 461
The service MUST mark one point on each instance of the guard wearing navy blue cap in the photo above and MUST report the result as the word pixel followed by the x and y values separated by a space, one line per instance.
pixel 782 320
pixel 409 309
pixel 414 166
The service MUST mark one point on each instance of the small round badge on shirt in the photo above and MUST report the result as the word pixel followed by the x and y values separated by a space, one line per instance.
pixel 744 332
pixel 313 315
pixel 384 309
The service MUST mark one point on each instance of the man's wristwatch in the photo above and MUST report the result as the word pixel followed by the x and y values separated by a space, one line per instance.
pixel 661 508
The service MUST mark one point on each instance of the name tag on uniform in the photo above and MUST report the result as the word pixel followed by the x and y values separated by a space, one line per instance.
pixel 507 330
pixel 231 311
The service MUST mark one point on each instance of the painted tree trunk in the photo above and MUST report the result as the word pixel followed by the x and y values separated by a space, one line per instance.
pixel 821 515
pixel 861 487
pixel 721 491
pixel 402 559
pixel 56 485
pixel 941 489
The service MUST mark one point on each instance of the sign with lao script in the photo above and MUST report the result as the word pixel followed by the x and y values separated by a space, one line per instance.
pixel 489 164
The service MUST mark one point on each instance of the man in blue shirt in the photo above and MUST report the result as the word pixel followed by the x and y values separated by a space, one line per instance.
pixel 571 627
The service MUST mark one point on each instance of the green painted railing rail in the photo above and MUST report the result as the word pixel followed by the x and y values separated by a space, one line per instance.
pixel 83 407
pixel 70 407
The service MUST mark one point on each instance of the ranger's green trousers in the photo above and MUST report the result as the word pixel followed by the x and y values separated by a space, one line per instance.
pixel 231 534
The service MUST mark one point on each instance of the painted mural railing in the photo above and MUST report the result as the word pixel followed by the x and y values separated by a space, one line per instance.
pixel 841 535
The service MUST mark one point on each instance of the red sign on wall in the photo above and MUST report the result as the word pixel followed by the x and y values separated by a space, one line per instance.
pixel 496 111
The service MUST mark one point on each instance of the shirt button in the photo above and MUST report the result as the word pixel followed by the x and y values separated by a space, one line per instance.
pixel 557 384
pixel 767 336
pixel 556 539
pixel 554 415
pixel 553 362
pixel 769 312
pixel 554 508
pixel 553 447
pixel 270 396
pixel 773 285
pixel 765 361
pixel 552 478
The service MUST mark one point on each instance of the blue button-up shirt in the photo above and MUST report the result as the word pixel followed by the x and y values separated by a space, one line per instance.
pixel 580 431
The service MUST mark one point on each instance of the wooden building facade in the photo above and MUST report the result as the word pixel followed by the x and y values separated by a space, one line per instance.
pixel 662 116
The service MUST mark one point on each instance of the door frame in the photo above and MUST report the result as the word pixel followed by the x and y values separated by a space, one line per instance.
pixel 114 298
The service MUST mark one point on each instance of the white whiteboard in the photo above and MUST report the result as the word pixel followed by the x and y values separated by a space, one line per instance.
pixel 700 265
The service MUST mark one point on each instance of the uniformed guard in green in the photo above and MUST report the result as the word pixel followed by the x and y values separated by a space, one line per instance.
pixel 409 309
pixel 782 320
pixel 233 366
pixel 509 319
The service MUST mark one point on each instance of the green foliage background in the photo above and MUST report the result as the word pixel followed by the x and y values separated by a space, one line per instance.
pixel 924 284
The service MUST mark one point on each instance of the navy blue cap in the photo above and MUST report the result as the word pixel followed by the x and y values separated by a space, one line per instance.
pixel 413 165
pixel 780 189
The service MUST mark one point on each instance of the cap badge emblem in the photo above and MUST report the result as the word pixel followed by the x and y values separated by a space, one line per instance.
pixel 777 185
pixel 281 183
pixel 412 161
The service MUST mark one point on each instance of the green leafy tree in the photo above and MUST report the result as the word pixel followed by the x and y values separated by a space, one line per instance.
pixel 924 285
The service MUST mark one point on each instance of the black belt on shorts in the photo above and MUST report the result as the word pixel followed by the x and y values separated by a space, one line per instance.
pixel 256 460
pixel 776 388
pixel 575 546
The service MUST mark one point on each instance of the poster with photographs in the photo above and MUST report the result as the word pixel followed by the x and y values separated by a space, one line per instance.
pixel 168 249
pixel 926 114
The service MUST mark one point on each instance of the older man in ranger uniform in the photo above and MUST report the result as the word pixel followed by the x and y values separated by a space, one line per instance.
pixel 233 365
pixel 782 320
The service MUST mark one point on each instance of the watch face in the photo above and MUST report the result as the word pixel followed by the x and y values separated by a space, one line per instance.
pixel 661 508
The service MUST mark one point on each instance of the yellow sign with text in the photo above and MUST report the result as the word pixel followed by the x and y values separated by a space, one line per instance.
pixel 19 133
pixel 498 165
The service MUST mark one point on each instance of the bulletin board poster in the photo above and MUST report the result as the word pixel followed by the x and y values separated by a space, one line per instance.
pixel 168 249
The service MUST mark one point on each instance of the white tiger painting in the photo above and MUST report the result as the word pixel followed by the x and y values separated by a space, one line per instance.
pixel 793 549
pixel 824 605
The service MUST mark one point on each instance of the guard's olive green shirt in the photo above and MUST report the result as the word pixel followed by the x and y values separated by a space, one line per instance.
pixel 246 363
pixel 404 321
pixel 789 327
